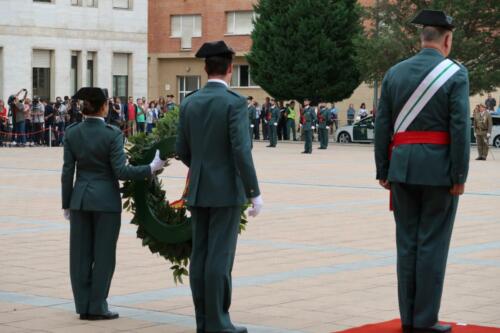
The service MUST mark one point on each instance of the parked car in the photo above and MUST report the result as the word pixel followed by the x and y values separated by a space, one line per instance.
pixel 360 131
pixel 363 131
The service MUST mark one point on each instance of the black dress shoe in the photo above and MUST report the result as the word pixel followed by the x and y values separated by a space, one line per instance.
pixel 84 316
pixel 479 159
pixel 438 328
pixel 104 316
pixel 240 329
pixel 407 328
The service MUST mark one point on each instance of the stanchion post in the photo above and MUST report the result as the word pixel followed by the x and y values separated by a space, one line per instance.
pixel 50 136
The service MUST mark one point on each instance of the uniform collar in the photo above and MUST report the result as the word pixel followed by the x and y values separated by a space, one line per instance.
pixel 431 51
pixel 218 81
pixel 94 118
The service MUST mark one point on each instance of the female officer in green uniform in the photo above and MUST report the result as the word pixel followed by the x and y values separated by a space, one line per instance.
pixel 93 203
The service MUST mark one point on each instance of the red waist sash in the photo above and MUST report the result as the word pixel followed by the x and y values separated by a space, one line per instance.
pixel 418 137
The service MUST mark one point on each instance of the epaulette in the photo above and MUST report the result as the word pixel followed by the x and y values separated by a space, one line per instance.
pixel 458 63
pixel 113 127
pixel 72 125
pixel 191 93
pixel 235 93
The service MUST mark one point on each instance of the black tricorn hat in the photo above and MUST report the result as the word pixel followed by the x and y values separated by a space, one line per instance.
pixel 213 49
pixel 91 94
pixel 434 18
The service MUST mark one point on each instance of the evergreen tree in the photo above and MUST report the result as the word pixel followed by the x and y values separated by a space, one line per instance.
pixel 475 40
pixel 304 48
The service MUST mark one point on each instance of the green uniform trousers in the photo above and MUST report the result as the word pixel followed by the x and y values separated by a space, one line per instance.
pixel 93 238
pixel 482 146
pixel 215 233
pixel 424 222
pixel 323 137
pixel 250 131
pixel 308 136
pixel 273 135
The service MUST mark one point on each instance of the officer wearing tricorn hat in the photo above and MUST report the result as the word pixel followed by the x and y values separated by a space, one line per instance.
pixel 422 144
pixel 213 141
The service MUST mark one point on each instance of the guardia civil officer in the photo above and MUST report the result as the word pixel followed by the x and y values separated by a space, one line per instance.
pixel 273 123
pixel 308 126
pixel 93 203
pixel 252 111
pixel 213 142
pixel 423 116
pixel 323 120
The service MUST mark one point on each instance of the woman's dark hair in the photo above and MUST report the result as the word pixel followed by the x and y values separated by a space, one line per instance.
pixel 218 65
pixel 91 108
pixel 363 105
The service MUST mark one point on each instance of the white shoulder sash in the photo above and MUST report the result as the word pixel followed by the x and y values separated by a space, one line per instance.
pixel 424 92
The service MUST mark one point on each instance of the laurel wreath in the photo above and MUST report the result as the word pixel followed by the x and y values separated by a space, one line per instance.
pixel 177 254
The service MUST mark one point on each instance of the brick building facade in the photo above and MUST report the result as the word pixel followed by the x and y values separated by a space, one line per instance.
pixel 177 28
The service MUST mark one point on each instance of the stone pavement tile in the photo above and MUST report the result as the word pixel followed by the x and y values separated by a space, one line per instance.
pixel 163 329
pixel 325 328
pixel 12 329
pixel 120 324
pixel 10 307
pixel 79 328
pixel 167 305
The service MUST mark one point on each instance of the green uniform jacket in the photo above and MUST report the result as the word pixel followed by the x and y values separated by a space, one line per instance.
pixel 252 111
pixel 213 141
pixel 96 150
pixel 309 118
pixel 447 110
pixel 325 116
pixel 275 114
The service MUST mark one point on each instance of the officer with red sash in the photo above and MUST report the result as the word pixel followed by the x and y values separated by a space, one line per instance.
pixel 422 147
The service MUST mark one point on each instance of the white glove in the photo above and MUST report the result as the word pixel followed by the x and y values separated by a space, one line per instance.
pixel 157 163
pixel 257 204
pixel 488 135
pixel 66 214
pixel 252 126
pixel 327 127
pixel 313 127
pixel 275 124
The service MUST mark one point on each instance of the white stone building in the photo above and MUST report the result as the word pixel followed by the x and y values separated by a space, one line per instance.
pixel 54 47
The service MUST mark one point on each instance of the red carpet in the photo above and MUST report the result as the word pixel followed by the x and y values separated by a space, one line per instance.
pixel 394 326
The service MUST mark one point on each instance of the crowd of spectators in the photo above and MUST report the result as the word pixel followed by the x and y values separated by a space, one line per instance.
pixel 39 122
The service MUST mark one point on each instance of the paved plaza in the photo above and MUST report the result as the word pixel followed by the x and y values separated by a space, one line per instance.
pixel 320 258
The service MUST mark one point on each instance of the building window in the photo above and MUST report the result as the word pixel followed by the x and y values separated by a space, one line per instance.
pixel 122 4
pixel 241 77
pixel 91 58
pixel 185 27
pixel 74 75
pixel 87 3
pixel 187 84
pixel 121 63
pixel 42 60
pixel 240 23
